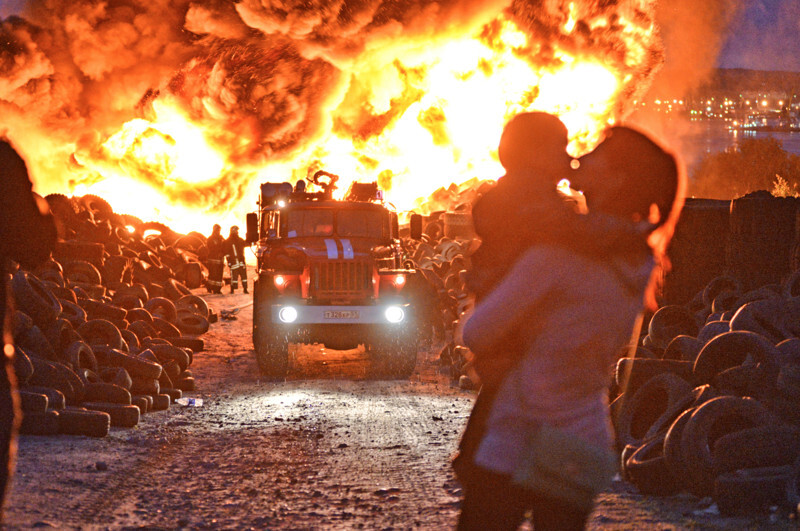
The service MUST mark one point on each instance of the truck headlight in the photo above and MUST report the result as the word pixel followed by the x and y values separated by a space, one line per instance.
pixel 394 314
pixel 287 314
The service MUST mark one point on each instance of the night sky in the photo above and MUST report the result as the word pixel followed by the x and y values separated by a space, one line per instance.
pixel 765 36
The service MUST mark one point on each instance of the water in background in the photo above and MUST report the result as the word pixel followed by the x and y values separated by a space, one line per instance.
pixel 704 137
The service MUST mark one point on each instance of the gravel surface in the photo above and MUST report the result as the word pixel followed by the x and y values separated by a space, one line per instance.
pixel 327 449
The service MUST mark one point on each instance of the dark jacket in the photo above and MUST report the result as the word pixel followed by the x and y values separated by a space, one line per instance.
pixel 27 230
pixel 216 247
pixel 234 249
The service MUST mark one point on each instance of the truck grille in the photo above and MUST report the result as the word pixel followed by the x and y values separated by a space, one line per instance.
pixel 344 278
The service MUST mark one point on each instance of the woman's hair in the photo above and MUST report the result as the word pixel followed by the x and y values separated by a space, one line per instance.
pixel 631 177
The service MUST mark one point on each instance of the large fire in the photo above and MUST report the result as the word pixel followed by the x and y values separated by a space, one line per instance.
pixel 270 94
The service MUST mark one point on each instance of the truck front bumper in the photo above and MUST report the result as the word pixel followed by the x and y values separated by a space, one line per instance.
pixel 389 314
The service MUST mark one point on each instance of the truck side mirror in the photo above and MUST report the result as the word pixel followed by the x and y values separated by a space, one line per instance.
pixel 252 228
pixel 395 226
pixel 415 226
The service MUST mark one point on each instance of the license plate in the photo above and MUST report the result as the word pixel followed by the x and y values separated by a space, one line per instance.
pixel 342 314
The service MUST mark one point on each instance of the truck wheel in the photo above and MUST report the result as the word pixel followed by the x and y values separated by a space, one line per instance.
pixel 272 355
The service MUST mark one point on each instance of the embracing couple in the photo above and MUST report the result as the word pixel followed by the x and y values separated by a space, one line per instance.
pixel 560 286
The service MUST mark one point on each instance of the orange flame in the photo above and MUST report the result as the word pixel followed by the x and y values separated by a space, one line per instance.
pixel 413 115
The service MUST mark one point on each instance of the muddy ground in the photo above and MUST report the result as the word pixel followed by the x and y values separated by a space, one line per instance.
pixel 327 449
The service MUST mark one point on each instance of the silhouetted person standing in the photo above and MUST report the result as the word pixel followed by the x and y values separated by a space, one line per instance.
pixel 216 256
pixel 234 248
pixel 573 303
pixel 27 237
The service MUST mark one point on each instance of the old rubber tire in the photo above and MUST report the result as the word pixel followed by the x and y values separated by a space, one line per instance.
pixel 712 329
pixel 97 332
pixel 196 344
pixel 762 446
pixel 83 272
pixel 162 307
pixel 193 303
pixel 673 450
pixel 32 403
pixel 632 373
pixel 776 318
pixel 53 374
pixel 652 408
pixel 167 352
pixel 729 350
pixel 188 322
pixel 122 415
pixel 753 491
pixel 142 330
pixel 44 423
pixel 186 384
pixel 81 356
pixel 33 298
pixel 648 471
pixel 683 348
pixel 73 313
pixel 145 386
pixel 142 402
pixel 55 398
pixel 106 392
pixel 671 321
pixel 712 420
pixel 22 365
pixel 135 366
pixel 164 328
pixel 83 422
pixel 172 392
pixel 160 402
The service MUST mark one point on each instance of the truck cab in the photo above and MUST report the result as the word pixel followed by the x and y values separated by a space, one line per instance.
pixel 330 272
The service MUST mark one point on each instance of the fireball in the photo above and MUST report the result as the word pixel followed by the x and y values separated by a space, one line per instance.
pixel 411 94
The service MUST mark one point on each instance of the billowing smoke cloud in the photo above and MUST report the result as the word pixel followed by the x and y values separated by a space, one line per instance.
pixel 693 34
pixel 268 78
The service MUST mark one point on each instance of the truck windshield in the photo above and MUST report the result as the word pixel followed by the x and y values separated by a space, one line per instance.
pixel 316 222
pixel 362 224
pixel 347 223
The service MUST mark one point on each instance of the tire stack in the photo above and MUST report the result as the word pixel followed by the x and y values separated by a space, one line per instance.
pixel 698 248
pixel 710 403
pixel 762 237
pixel 441 262
pixel 105 331
pixel 124 248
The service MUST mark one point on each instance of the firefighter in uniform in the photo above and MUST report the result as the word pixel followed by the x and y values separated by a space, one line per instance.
pixel 234 248
pixel 216 256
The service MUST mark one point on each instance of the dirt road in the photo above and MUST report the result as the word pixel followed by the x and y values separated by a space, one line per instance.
pixel 327 449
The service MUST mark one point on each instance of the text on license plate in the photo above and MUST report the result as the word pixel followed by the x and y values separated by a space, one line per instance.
pixel 342 314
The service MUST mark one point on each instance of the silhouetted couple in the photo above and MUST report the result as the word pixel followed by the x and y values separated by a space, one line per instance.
pixel 559 290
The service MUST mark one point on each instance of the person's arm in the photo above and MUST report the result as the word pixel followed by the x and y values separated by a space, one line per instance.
pixel 531 277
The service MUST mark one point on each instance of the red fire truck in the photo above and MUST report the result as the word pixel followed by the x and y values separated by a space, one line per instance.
pixel 331 272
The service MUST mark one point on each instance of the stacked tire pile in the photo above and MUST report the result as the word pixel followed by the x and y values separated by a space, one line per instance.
pixel 440 259
pixel 710 402
pixel 104 332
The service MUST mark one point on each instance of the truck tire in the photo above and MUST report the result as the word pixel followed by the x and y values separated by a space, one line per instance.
pixel 271 349
pixel 272 354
